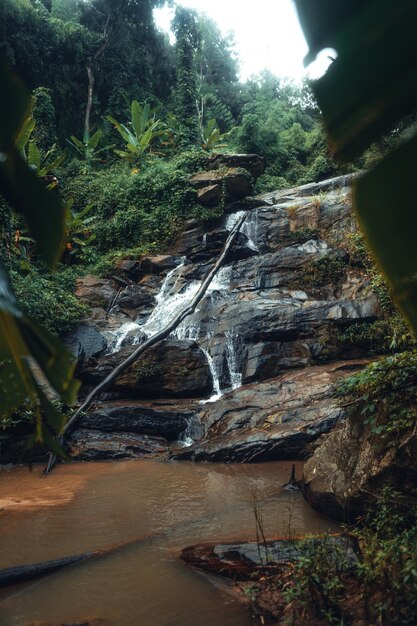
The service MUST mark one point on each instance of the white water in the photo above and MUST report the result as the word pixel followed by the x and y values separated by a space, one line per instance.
pixel 232 219
pixel 216 382
pixel 235 375
pixel 190 331
pixel 169 302
pixel 115 338
pixel 221 281
pixel 248 228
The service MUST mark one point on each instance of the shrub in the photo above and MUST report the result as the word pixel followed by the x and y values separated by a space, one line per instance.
pixel 301 235
pixel 328 269
pixel 387 568
pixel 49 299
pixel 380 587
pixel 383 396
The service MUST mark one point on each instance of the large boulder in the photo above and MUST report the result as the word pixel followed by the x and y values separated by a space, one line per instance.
pixel 227 184
pixel 136 267
pixel 349 469
pixel 249 560
pixel 86 343
pixel 96 292
pixel 253 163
pixel 171 369
pixel 137 301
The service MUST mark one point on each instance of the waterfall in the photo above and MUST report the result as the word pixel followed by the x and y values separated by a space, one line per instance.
pixel 215 378
pixel 174 296
pixel 232 219
pixel 235 375
pixel 221 282
pixel 185 441
pixel 248 228
pixel 169 302
pixel 187 331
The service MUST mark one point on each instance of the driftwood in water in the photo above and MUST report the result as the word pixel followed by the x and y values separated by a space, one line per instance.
pixel 22 573
pixel 160 336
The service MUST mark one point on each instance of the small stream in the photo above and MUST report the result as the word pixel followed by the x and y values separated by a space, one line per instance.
pixel 168 506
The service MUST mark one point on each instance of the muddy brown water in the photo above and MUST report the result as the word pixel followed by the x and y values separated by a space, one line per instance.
pixel 168 506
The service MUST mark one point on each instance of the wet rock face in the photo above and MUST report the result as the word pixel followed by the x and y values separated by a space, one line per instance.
pixel 173 369
pixel 167 420
pixel 86 343
pixel 96 445
pixel 208 247
pixel 274 420
pixel 271 320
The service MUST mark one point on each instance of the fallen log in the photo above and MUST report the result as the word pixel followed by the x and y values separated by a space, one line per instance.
pixel 22 573
pixel 160 336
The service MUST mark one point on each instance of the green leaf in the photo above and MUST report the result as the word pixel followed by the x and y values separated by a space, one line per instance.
pixel 34 156
pixel 25 134
pixel 386 205
pixel 55 418
pixel 42 210
pixel 95 139
pixel 77 144
pixel 8 302
pixel 53 444
pixel 53 165
pixel 137 119
pixel 13 391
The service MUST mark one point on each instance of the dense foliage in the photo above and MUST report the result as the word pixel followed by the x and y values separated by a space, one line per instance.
pixel 378 586
pixel 134 116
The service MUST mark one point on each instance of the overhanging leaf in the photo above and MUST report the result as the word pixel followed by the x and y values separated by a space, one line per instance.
pixel 14 106
pixel 372 83
pixel 55 419
pixel 386 205
pixel 56 362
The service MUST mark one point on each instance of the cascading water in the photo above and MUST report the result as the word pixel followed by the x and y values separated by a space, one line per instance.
pixel 167 308
pixel 169 301
pixel 187 331
pixel 173 297
pixel 116 338
pixel 216 382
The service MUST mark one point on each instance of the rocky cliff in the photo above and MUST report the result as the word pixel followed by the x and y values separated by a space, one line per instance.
pixel 249 376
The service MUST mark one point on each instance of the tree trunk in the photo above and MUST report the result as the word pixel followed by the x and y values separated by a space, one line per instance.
pixel 163 334
pixel 89 103
pixel 23 573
